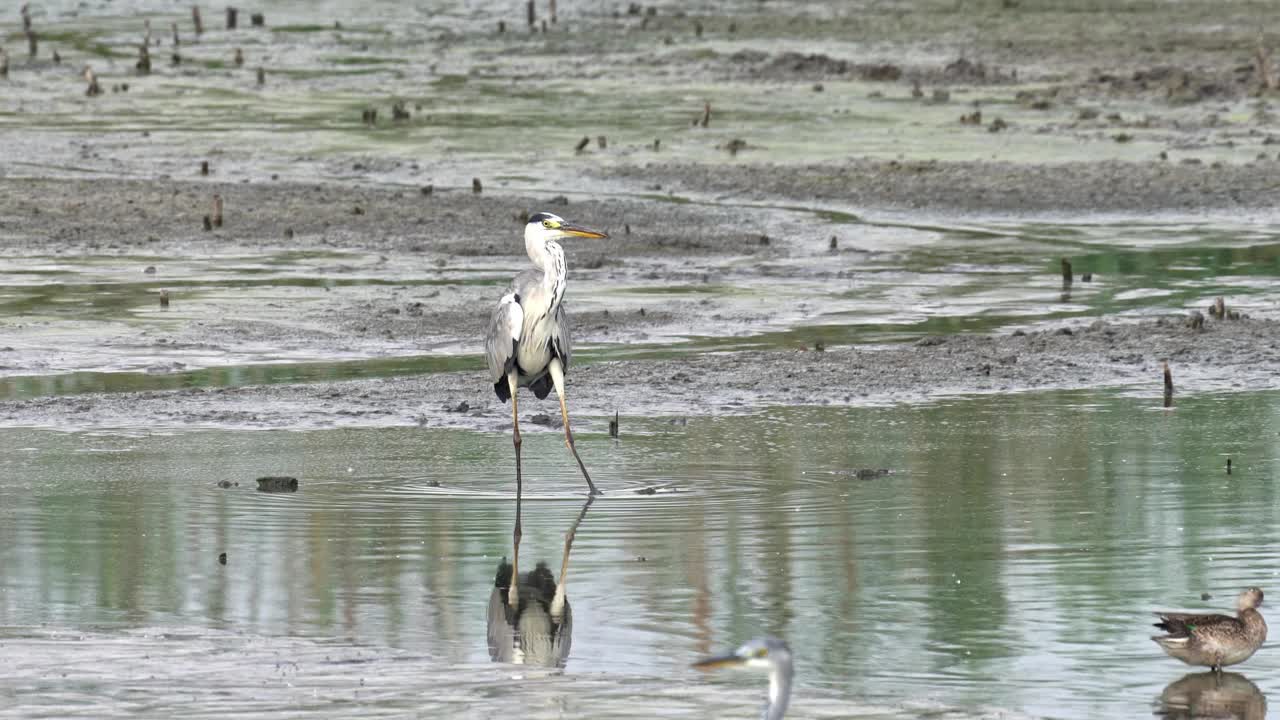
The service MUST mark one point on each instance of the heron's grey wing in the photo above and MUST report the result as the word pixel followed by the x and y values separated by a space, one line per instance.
pixel 504 332
pixel 563 341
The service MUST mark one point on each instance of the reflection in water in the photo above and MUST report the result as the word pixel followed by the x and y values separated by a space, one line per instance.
pixel 531 622
pixel 1213 695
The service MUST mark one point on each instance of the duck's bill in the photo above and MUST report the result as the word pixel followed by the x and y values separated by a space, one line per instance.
pixel 721 661
pixel 579 231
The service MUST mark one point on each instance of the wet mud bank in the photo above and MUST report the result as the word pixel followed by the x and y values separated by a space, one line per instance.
pixel 1220 356
pixel 981 186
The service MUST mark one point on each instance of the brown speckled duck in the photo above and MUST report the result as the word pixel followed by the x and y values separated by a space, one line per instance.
pixel 1215 640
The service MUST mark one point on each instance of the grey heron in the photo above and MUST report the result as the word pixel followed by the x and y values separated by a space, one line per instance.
pixel 769 653
pixel 528 342
pixel 530 620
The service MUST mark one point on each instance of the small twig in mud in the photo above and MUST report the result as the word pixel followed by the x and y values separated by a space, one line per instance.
pixel 1195 321
pixel 502 26
pixel 544 27
pixel 231 17
pixel 262 76
pixel 26 17
pixel 176 40
pixel 217 210
pixel 257 20
pixel 195 20
pixel 208 224
pixel 164 299
pixel 1218 309
pixel 1266 74
pixel 33 44
pixel 531 14
pixel 90 77
pixel 613 426
pixel 657 144
pixel 475 186
pixel 57 59
pixel 835 244
pixel 582 144
pixel 4 63
pixel 239 58
pixel 602 142
pixel 706 115
pixel 1067 277
pixel 553 12
pixel 1168 385
pixel 1228 466
pixel 204 167
pixel 144 60
pixel 697 28
pixel 399 112
pixel 427 189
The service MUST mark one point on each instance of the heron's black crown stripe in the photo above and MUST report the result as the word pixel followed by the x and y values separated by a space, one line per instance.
pixel 539 217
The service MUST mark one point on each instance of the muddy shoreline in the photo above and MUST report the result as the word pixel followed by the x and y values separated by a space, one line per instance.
pixel 1223 356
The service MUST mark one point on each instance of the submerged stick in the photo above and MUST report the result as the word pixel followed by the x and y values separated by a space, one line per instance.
pixel 582 144
pixel 1228 466
pixel 217 210
pixel 32 43
pixel 475 185
pixel 613 425
pixel 239 58
pixel 195 19
pixel 1265 73
pixel 531 14
pixel 1067 277
pixel 257 20
pixel 4 63
pixel 706 114
pixel 164 299
pixel 176 41
pixel 231 17
pixel 26 17
pixel 204 167
pixel 1168 385
pixel 144 60
pixel 262 76
pixel 553 12
pixel 90 77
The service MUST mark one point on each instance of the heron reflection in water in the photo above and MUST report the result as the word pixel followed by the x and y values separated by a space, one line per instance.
pixel 530 620
pixel 1213 695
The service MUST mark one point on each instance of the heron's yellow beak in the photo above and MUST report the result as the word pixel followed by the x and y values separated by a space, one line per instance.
pixel 721 661
pixel 579 231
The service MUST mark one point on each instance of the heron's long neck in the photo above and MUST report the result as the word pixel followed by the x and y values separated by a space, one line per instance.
pixel 548 257
pixel 779 692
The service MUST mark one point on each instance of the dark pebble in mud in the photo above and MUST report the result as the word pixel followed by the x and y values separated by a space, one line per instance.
pixel 1205 596
pixel 541 419
pixel 277 483
pixel 458 408
pixel 224 484
pixel 870 473
pixel 222 558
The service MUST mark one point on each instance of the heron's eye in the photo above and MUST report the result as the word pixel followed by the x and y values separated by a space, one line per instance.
pixel 546 224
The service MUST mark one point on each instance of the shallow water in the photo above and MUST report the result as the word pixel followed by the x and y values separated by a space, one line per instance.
pixel 1009 561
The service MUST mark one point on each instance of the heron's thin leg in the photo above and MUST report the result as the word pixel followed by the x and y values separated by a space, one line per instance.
pixel 557 379
pixel 557 603
pixel 512 592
